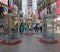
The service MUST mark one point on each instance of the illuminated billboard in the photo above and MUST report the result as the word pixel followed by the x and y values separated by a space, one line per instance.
pixel 58 6
pixel 30 9
pixel 11 4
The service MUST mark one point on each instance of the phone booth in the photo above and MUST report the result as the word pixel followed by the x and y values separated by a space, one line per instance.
pixel 48 30
pixel 11 28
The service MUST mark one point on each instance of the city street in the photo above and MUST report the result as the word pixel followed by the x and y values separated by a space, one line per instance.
pixel 29 25
pixel 31 44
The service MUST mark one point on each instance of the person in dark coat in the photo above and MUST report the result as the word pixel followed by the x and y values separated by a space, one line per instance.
pixel 36 28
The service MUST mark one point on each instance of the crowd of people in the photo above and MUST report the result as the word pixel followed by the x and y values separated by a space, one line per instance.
pixel 26 27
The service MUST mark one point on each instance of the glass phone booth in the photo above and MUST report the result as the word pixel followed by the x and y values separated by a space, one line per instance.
pixel 11 32
pixel 48 28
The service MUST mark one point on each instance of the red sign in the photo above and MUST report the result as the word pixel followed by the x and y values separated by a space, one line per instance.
pixel 58 10
pixel 58 2
pixel 58 6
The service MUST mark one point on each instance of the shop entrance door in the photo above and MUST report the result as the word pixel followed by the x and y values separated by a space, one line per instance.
pixel 11 25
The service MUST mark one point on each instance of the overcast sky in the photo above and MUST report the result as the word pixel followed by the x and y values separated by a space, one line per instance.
pixel 24 6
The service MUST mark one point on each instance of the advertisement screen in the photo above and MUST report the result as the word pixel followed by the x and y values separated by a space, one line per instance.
pixel 58 6
pixel 11 4
pixel 4 2
pixel 58 10
pixel 58 1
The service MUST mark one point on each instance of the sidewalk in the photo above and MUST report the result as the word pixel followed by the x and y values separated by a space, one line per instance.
pixel 31 44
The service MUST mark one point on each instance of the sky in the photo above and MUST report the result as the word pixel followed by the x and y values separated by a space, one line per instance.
pixel 24 6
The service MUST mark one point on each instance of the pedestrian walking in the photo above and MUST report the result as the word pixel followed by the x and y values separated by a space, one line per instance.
pixel 36 28
pixel 41 27
pixel 21 28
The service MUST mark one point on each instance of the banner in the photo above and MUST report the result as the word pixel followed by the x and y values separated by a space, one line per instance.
pixel 36 13
pixel 30 9
pixel 11 4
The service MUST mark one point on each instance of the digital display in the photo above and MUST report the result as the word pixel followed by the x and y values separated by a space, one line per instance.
pixel 11 4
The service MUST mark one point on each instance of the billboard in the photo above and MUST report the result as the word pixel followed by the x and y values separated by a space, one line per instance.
pixel 11 4
pixel 30 8
pixel 4 2
pixel 58 6
pixel 58 2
